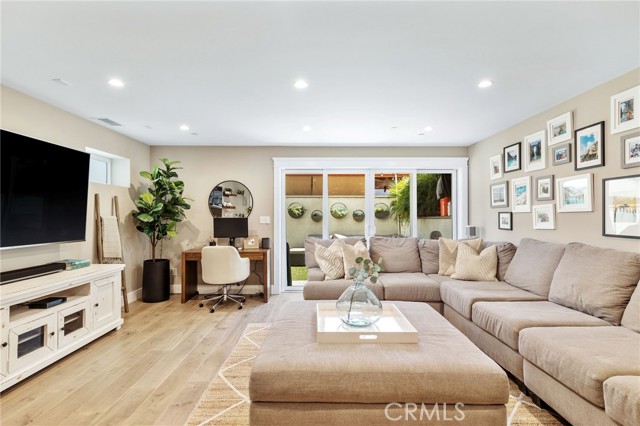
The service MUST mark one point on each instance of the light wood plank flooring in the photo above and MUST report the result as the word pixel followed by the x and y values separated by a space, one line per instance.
pixel 150 372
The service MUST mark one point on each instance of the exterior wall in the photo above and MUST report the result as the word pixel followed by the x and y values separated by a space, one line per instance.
pixel 588 108
pixel 28 116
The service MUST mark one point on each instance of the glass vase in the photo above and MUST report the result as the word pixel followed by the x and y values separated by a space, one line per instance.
pixel 358 306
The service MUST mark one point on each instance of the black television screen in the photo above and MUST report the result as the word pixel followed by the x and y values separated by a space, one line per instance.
pixel 44 192
pixel 230 227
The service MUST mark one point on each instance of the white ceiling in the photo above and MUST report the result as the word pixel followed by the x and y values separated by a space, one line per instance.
pixel 227 68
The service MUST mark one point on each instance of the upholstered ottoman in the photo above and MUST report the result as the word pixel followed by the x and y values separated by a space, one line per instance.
pixel 442 379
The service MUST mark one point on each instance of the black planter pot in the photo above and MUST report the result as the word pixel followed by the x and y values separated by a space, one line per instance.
pixel 156 280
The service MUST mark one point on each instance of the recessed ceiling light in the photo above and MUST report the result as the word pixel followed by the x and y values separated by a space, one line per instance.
pixel 428 129
pixel 300 84
pixel 184 128
pixel 116 82
pixel 485 83
pixel 306 129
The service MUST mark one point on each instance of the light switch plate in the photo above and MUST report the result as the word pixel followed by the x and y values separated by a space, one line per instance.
pixel 265 219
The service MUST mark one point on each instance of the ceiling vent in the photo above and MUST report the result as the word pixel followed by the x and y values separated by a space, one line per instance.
pixel 108 121
pixel 61 81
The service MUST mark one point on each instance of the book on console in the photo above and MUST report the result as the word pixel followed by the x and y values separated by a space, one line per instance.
pixel 71 264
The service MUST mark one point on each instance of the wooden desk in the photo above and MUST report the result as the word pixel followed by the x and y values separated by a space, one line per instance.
pixel 191 258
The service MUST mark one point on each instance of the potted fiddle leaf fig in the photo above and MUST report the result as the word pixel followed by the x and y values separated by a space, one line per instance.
pixel 159 210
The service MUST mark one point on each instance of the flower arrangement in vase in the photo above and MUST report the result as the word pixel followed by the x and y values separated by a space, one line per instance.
pixel 358 306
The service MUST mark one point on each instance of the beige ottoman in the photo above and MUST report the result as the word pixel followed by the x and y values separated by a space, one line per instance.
pixel 443 379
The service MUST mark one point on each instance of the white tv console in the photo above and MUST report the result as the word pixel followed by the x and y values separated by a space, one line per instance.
pixel 31 339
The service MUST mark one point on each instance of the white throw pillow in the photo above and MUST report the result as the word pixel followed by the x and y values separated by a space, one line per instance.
pixel 471 266
pixel 330 260
pixel 351 253
pixel 448 252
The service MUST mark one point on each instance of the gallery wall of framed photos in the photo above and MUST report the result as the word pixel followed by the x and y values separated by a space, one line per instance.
pixel 571 173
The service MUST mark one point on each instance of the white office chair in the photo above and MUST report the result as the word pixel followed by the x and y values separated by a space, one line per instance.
pixel 222 265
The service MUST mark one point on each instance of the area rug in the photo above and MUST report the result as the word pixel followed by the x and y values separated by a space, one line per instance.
pixel 226 400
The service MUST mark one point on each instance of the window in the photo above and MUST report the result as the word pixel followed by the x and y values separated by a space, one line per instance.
pixel 108 169
pixel 100 169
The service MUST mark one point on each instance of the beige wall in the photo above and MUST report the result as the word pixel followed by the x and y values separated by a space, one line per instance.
pixel 28 116
pixel 205 167
pixel 588 108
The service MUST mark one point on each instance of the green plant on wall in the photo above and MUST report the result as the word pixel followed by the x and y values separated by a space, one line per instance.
pixel 162 206
pixel 400 192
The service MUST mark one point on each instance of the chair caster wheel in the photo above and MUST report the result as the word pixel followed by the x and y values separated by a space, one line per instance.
pixel 239 306
pixel 201 305
pixel 211 310
pixel 244 299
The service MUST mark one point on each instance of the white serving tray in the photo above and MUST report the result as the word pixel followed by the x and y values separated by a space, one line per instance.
pixel 392 327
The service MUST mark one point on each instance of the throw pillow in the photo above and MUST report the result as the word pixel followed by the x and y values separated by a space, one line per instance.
pixel 449 251
pixel 471 266
pixel 350 254
pixel 398 254
pixel 330 260
pixel 429 256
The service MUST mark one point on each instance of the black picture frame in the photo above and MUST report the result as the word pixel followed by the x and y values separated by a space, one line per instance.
pixel 507 156
pixel 508 224
pixel 583 160
pixel 629 209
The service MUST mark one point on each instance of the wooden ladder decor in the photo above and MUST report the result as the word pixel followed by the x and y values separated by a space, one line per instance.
pixel 100 234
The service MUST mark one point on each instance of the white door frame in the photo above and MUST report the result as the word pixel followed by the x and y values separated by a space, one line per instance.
pixel 457 166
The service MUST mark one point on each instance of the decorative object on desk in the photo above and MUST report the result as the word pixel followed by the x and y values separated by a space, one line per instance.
pixel 630 151
pixel 338 210
pixel 589 146
pixel 544 188
pixel 296 210
pixel 560 128
pixel 381 211
pixel 495 167
pixel 623 110
pixel 358 215
pixel 358 306
pixel 251 243
pixel 227 194
pixel 159 210
pixel 535 151
pixel 620 204
pixel 505 221
pixel 316 216
pixel 511 156
pixel 561 154
pixel 575 193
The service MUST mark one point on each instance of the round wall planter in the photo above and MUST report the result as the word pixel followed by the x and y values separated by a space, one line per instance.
pixel 156 280
pixel 381 211
pixel 358 215
pixel 316 216
pixel 296 210
pixel 338 210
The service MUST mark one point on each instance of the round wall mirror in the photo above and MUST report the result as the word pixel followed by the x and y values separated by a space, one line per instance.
pixel 230 199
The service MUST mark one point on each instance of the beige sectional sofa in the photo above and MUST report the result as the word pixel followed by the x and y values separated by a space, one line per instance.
pixel 564 319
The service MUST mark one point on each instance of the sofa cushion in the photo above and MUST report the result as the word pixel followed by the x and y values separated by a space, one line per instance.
pixel 448 252
pixel 310 247
pixel 506 251
pixel 350 254
pixel 505 320
pixel 440 278
pixel 461 295
pixel 473 266
pixel 533 265
pixel 398 254
pixel 333 289
pixel 429 253
pixel 595 280
pixel 622 399
pixel 315 274
pixel 330 260
pixel 631 316
pixel 582 358
pixel 409 287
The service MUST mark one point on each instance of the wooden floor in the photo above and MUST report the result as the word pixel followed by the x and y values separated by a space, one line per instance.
pixel 150 372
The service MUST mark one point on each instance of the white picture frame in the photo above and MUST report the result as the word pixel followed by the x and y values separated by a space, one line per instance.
pixel 560 128
pixel 624 110
pixel 535 151
pixel 521 194
pixel 499 194
pixel 574 193
pixel 495 167
pixel 544 216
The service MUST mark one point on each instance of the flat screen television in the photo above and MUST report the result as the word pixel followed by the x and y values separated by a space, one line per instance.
pixel 44 192
pixel 231 227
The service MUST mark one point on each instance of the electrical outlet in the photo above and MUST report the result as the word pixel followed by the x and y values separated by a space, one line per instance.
pixel 174 271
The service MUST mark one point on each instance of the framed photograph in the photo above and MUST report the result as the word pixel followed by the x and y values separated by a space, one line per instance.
pixel 560 128
pixel 504 221
pixel 630 151
pixel 623 110
pixel 575 193
pixel 561 154
pixel 544 188
pixel 512 157
pixel 535 151
pixel 495 167
pixel 499 195
pixel 589 146
pixel 621 207
pixel 544 216
pixel 521 194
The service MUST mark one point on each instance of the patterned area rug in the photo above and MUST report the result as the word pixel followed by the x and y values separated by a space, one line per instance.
pixel 226 400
